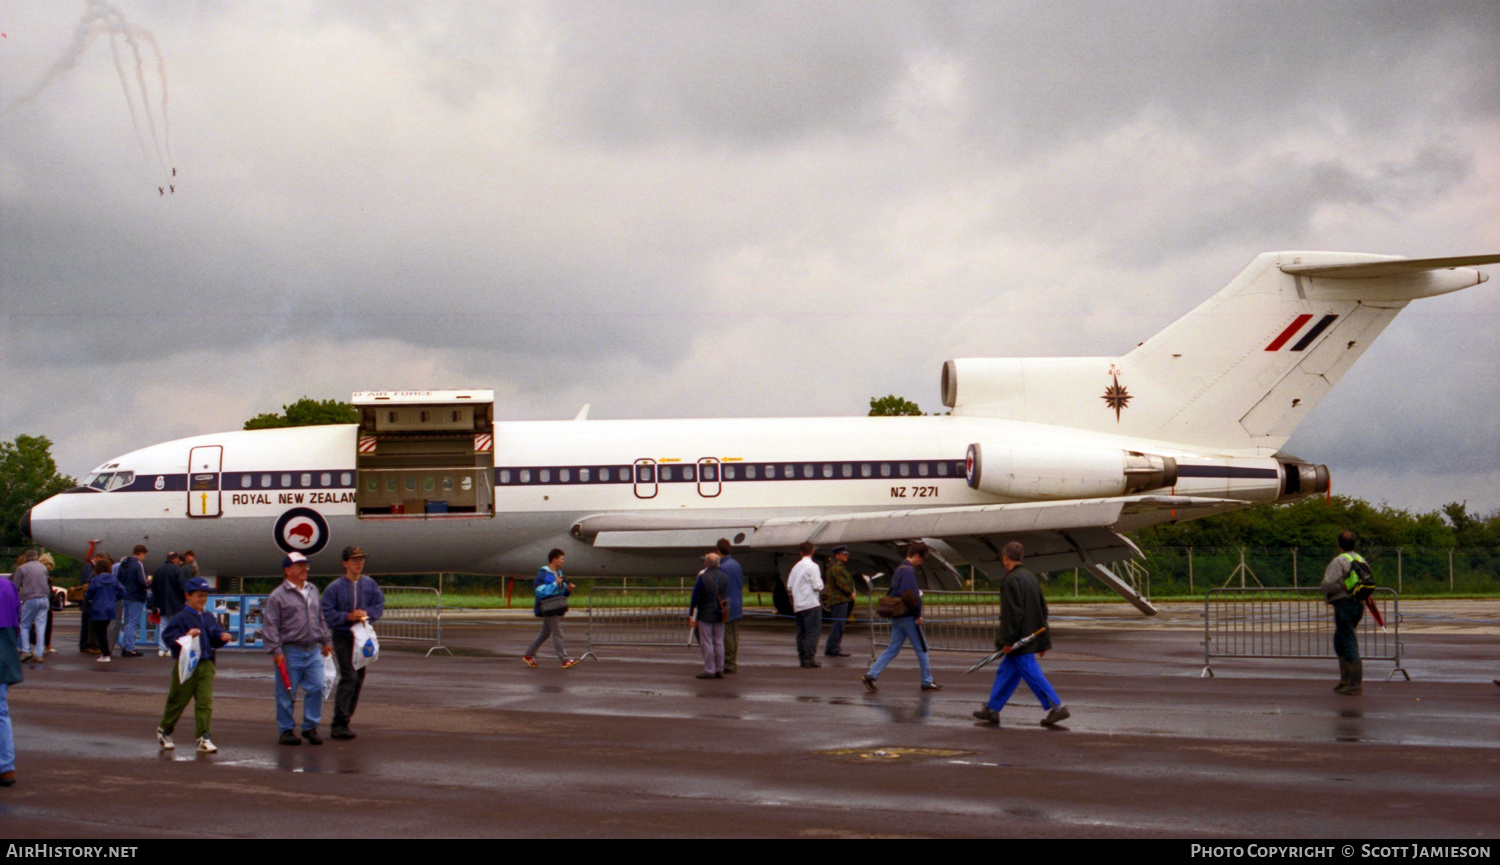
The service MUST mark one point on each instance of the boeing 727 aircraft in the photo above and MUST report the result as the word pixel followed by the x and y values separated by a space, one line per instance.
pixel 1063 454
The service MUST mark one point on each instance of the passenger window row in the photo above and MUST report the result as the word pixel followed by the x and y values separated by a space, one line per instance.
pixel 689 472
pixel 287 480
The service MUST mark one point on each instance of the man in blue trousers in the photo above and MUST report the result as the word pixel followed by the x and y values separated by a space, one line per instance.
pixel 297 639
pixel 1023 612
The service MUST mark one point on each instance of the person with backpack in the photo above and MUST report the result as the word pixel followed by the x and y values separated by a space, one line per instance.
pixel 1346 584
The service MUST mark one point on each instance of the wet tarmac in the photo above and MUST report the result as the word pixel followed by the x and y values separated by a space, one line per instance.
pixel 631 744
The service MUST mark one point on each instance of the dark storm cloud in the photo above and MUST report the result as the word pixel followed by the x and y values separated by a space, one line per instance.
pixel 1047 72
pixel 728 72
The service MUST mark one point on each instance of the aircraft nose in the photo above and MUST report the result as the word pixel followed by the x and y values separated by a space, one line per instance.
pixel 26 524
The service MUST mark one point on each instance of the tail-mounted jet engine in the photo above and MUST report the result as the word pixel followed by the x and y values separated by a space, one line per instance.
pixel 1042 472
pixel 1301 479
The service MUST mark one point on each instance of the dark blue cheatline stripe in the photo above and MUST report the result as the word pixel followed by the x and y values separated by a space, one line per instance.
pixel 233 482
pixel 730 472
pixel 1224 472
pixel 1318 328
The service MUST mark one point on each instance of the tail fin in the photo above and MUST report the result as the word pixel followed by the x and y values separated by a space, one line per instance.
pixel 1239 372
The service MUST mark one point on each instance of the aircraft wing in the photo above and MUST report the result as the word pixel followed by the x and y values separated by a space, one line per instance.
pixel 1057 535
pixel 663 531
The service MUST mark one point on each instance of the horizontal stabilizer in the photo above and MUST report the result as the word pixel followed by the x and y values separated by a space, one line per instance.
pixel 1393 267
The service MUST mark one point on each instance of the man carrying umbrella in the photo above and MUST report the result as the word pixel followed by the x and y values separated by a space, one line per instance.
pixel 297 639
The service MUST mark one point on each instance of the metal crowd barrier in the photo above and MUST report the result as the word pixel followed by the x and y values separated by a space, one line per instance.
pixel 638 617
pixel 413 613
pixel 951 621
pixel 1293 624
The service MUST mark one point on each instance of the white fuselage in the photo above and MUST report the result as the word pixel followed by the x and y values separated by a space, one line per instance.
pixel 550 475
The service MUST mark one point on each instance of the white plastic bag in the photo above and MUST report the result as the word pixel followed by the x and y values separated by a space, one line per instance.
pixel 366 644
pixel 330 676
pixel 187 659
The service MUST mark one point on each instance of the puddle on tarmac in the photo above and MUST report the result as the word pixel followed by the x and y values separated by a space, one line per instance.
pixel 891 753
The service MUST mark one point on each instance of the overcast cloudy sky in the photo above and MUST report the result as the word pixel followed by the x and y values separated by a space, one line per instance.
pixel 685 209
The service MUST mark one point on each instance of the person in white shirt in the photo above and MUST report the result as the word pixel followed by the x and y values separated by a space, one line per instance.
pixel 803 584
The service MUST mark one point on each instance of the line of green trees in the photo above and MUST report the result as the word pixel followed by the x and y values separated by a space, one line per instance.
pixel 1312 524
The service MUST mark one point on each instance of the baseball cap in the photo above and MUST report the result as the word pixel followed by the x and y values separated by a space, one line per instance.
pixel 196 584
pixel 354 553
pixel 293 558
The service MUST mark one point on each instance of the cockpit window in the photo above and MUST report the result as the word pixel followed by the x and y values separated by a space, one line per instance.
pixel 121 479
pixel 100 480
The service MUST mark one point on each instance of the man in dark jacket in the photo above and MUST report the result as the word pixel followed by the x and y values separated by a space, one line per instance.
pixel 356 598
pixel 132 578
pixel 168 596
pixel 735 592
pixel 1023 612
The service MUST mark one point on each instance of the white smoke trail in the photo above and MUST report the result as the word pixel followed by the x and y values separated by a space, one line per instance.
pixel 99 16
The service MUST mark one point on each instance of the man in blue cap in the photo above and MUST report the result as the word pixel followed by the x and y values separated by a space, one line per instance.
pixel 192 620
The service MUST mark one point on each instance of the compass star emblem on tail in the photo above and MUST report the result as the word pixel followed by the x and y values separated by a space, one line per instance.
pixel 1115 396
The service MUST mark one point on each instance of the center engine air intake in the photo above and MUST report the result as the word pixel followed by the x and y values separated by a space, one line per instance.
pixel 1043 472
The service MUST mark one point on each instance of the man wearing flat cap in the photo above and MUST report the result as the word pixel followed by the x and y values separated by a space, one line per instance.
pixel 353 599
pixel 297 639
pixel 838 599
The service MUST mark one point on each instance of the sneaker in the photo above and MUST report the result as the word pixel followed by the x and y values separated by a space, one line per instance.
pixel 931 686
pixel 51 651
pixel 26 656
pixel 164 739
pixel 530 661
pixel 162 653
pixel 342 733
pixel 869 684
pixel 571 662
pixel 206 746
pixel 102 659
pixel 311 735
pixel 130 653
pixel 1058 713
pixel 988 715
pixel 289 738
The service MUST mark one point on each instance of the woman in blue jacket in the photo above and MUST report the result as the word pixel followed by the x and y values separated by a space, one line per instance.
pixel 549 584
pixel 103 593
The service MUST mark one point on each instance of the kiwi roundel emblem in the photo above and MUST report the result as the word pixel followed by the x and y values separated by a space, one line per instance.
pixel 302 530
